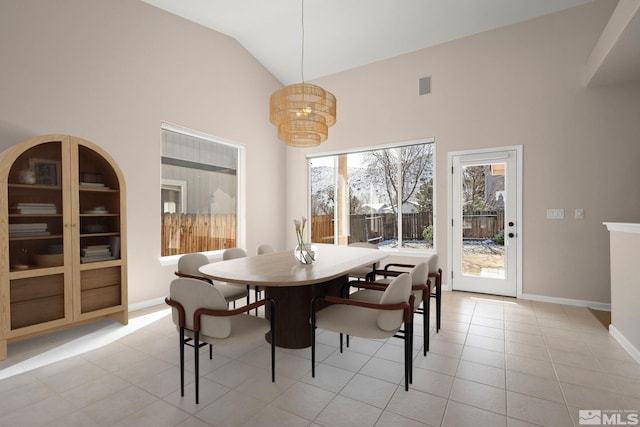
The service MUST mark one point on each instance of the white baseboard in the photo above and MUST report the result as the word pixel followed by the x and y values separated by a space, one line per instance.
pixel 568 301
pixel 146 304
pixel 625 343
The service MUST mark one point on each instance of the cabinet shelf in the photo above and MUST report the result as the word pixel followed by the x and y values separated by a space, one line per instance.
pixel 27 238
pixel 109 233
pixel 98 190
pixel 36 187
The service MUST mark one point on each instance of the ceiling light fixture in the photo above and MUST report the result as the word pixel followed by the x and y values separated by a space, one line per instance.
pixel 303 112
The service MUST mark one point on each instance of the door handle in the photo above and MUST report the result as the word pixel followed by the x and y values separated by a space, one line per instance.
pixel 511 235
pixel 511 224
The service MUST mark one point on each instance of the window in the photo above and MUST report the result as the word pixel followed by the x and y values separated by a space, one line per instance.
pixel 199 192
pixel 382 196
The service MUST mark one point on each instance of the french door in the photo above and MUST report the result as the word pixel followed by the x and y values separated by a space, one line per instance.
pixel 486 217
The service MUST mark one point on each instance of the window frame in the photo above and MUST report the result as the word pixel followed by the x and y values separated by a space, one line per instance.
pixel 367 148
pixel 240 186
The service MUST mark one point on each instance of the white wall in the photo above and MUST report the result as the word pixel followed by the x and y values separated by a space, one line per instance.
pixel 521 84
pixel 111 72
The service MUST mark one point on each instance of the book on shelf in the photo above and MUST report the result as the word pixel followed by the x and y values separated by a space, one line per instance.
pixel 34 208
pixel 96 258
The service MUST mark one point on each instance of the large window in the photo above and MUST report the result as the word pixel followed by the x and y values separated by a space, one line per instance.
pixel 199 192
pixel 382 196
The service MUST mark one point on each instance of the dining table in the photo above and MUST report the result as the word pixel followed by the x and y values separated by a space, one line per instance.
pixel 292 285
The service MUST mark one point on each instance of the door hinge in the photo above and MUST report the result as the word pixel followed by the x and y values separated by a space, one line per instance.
pixel 452 222
pixel 451 170
pixel 452 275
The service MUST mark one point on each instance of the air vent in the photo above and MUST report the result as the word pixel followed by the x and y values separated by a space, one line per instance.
pixel 425 85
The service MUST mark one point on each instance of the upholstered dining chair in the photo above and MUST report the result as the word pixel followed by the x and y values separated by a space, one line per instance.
pixel 188 266
pixel 234 253
pixel 435 275
pixel 368 320
pixel 202 317
pixel 420 286
pixel 362 273
pixel 265 249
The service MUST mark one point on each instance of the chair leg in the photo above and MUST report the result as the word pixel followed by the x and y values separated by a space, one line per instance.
pixel 256 294
pixel 313 341
pixel 248 293
pixel 182 362
pixel 273 340
pixel 340 342
pixel 196 357
pixel 438 299
pixel 406 358
pixel 426 313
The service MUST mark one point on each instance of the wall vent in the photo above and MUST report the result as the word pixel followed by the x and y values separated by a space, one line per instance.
pixel 425 86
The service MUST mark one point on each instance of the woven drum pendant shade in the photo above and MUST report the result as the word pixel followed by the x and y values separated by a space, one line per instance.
pixel 303 113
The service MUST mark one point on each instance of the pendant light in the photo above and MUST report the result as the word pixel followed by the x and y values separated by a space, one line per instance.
pixel 303 112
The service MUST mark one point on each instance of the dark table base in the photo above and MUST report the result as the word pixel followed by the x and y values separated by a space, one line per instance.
pixel 293 310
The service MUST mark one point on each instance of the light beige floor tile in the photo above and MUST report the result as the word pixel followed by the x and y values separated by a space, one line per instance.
pixel 537 411
pixel 584 377
pixel 485 343
pixel 329 378
pixel 127 402
pixel 372 391
pixel 431 382
pixel 479 395
pixel 518 326
pixel 304 400
pixel 261 387
pixel 487 331
pixel 531 385
pixel 383 369
pixel 488 322
pixel 524 338
pixel 575 358
pixel 348 360
pixel 271 416
pixel 512 422
pixel 481 373
pixel 344 411
pixel 458 414
pixel 526 350
pixel 422 407
pixel 437 363
pixel 157 414
pixel 540 368
pixel 98 389
pixel 73 419
pixel 38 413
pixel 209 392
pixel 389 419
pixel 445 348
pixel 485 357
pixel 583 397
pixel 232 409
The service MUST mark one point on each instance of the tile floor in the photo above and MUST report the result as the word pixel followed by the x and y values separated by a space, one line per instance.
pixel 496 362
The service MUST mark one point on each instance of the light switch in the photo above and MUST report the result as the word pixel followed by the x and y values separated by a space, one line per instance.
pixel 579 213
pixel 555 213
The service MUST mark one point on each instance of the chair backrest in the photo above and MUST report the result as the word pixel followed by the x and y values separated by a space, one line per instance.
pixel 433 263
pixel 190 263
pixel 233 253
pixel 193 294
pixel 364 245
pixel 398 291
pixel 265 249
pixel 419 276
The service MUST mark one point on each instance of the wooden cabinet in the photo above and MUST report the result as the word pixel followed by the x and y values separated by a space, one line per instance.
pixel 62 237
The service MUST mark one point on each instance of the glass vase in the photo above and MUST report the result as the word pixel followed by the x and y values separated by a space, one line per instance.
pixel 305 253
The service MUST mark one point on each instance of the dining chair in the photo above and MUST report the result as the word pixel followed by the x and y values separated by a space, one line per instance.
pixel 420 286
pixel 265 249
pixel 234 253
pixel 362 272
pixel 188 266
pixel 202 317
pixel 435 275
pixel 368 320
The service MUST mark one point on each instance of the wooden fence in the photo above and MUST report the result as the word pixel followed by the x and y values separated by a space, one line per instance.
pixel 482 225
pixel 186 233
pixel 377 228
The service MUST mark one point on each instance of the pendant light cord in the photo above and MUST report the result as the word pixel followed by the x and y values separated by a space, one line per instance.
pixel 302 55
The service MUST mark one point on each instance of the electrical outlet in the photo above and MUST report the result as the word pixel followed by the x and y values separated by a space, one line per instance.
pixel 579 213
pixel 555 213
